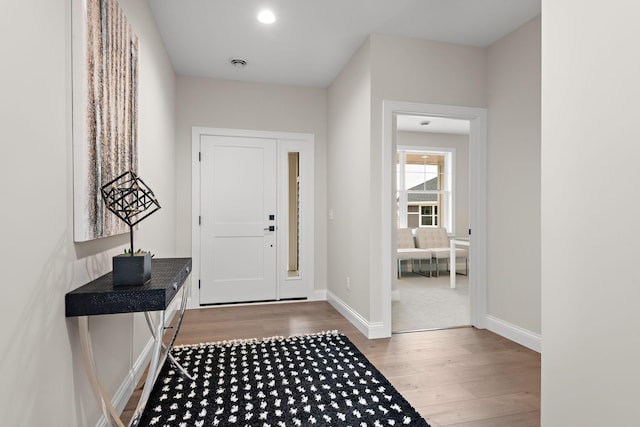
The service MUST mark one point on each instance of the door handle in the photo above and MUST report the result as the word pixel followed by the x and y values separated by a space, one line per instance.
pixel 270 228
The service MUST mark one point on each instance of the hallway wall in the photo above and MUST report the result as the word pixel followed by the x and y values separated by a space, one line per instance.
pixel 43 377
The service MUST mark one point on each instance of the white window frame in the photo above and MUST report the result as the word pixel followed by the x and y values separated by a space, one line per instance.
pixel 448 208
pixel 432 215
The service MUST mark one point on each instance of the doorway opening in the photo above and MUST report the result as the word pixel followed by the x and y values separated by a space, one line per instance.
pixel 477 119
pixel 432 192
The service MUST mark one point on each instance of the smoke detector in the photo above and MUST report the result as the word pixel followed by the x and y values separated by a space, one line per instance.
pixel 238 62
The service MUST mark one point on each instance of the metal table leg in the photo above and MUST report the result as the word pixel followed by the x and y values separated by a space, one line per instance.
pixel 167 350
pixel 156 360
pixel 159 354
pixel 110 413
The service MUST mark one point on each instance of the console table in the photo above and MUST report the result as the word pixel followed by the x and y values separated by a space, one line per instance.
pixel 100 297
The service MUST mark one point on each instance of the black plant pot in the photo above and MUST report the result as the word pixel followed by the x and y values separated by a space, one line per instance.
pixel 131 270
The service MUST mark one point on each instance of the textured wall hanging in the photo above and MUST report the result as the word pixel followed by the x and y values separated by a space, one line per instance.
pixel 105 111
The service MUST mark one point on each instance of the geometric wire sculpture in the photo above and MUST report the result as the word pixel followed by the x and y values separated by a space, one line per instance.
pixel 130 199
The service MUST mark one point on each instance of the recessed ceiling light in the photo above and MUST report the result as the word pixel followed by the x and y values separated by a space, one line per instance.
pixel 266 17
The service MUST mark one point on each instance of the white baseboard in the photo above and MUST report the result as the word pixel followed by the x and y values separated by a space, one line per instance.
pixel 371 330
pixel 514 333
pixel 318 295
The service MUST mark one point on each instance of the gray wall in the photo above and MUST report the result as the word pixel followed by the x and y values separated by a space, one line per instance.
pixel 504 77
pixel 590 134
pixel 266 107
pixel 513 163
pixel 400 69
pixel 348 170
pixel 43 378
pixel 41 262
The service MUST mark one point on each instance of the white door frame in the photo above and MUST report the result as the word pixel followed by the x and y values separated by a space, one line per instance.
pixel 302 143
pixel 478 201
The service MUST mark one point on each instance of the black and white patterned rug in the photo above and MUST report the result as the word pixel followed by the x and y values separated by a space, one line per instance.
pixel 311 380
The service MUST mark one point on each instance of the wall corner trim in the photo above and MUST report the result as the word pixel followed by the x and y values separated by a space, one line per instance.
pixel 372 330
pixel 319 295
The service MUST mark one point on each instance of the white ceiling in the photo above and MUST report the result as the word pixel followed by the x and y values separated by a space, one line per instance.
pixel 312 40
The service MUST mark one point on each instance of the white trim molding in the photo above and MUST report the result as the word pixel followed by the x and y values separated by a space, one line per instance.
pixel 319 295
pixel 515 333
pixel 371 330
pixel 477 118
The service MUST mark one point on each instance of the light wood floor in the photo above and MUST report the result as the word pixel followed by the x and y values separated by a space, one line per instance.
pixel 457 377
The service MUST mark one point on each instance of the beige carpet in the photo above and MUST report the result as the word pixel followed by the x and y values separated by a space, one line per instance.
pixel 429 303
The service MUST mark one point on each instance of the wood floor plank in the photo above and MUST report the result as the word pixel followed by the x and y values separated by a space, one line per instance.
pixel 461 377
pixel 526 419
pixel 474 410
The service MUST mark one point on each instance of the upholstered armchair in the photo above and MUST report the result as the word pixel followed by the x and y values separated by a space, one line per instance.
pixel 436 240
pixel 406 250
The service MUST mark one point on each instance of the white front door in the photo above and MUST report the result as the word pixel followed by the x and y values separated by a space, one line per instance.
pixel 238 208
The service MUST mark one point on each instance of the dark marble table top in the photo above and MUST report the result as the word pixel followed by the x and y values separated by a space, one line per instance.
pixel 101 297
